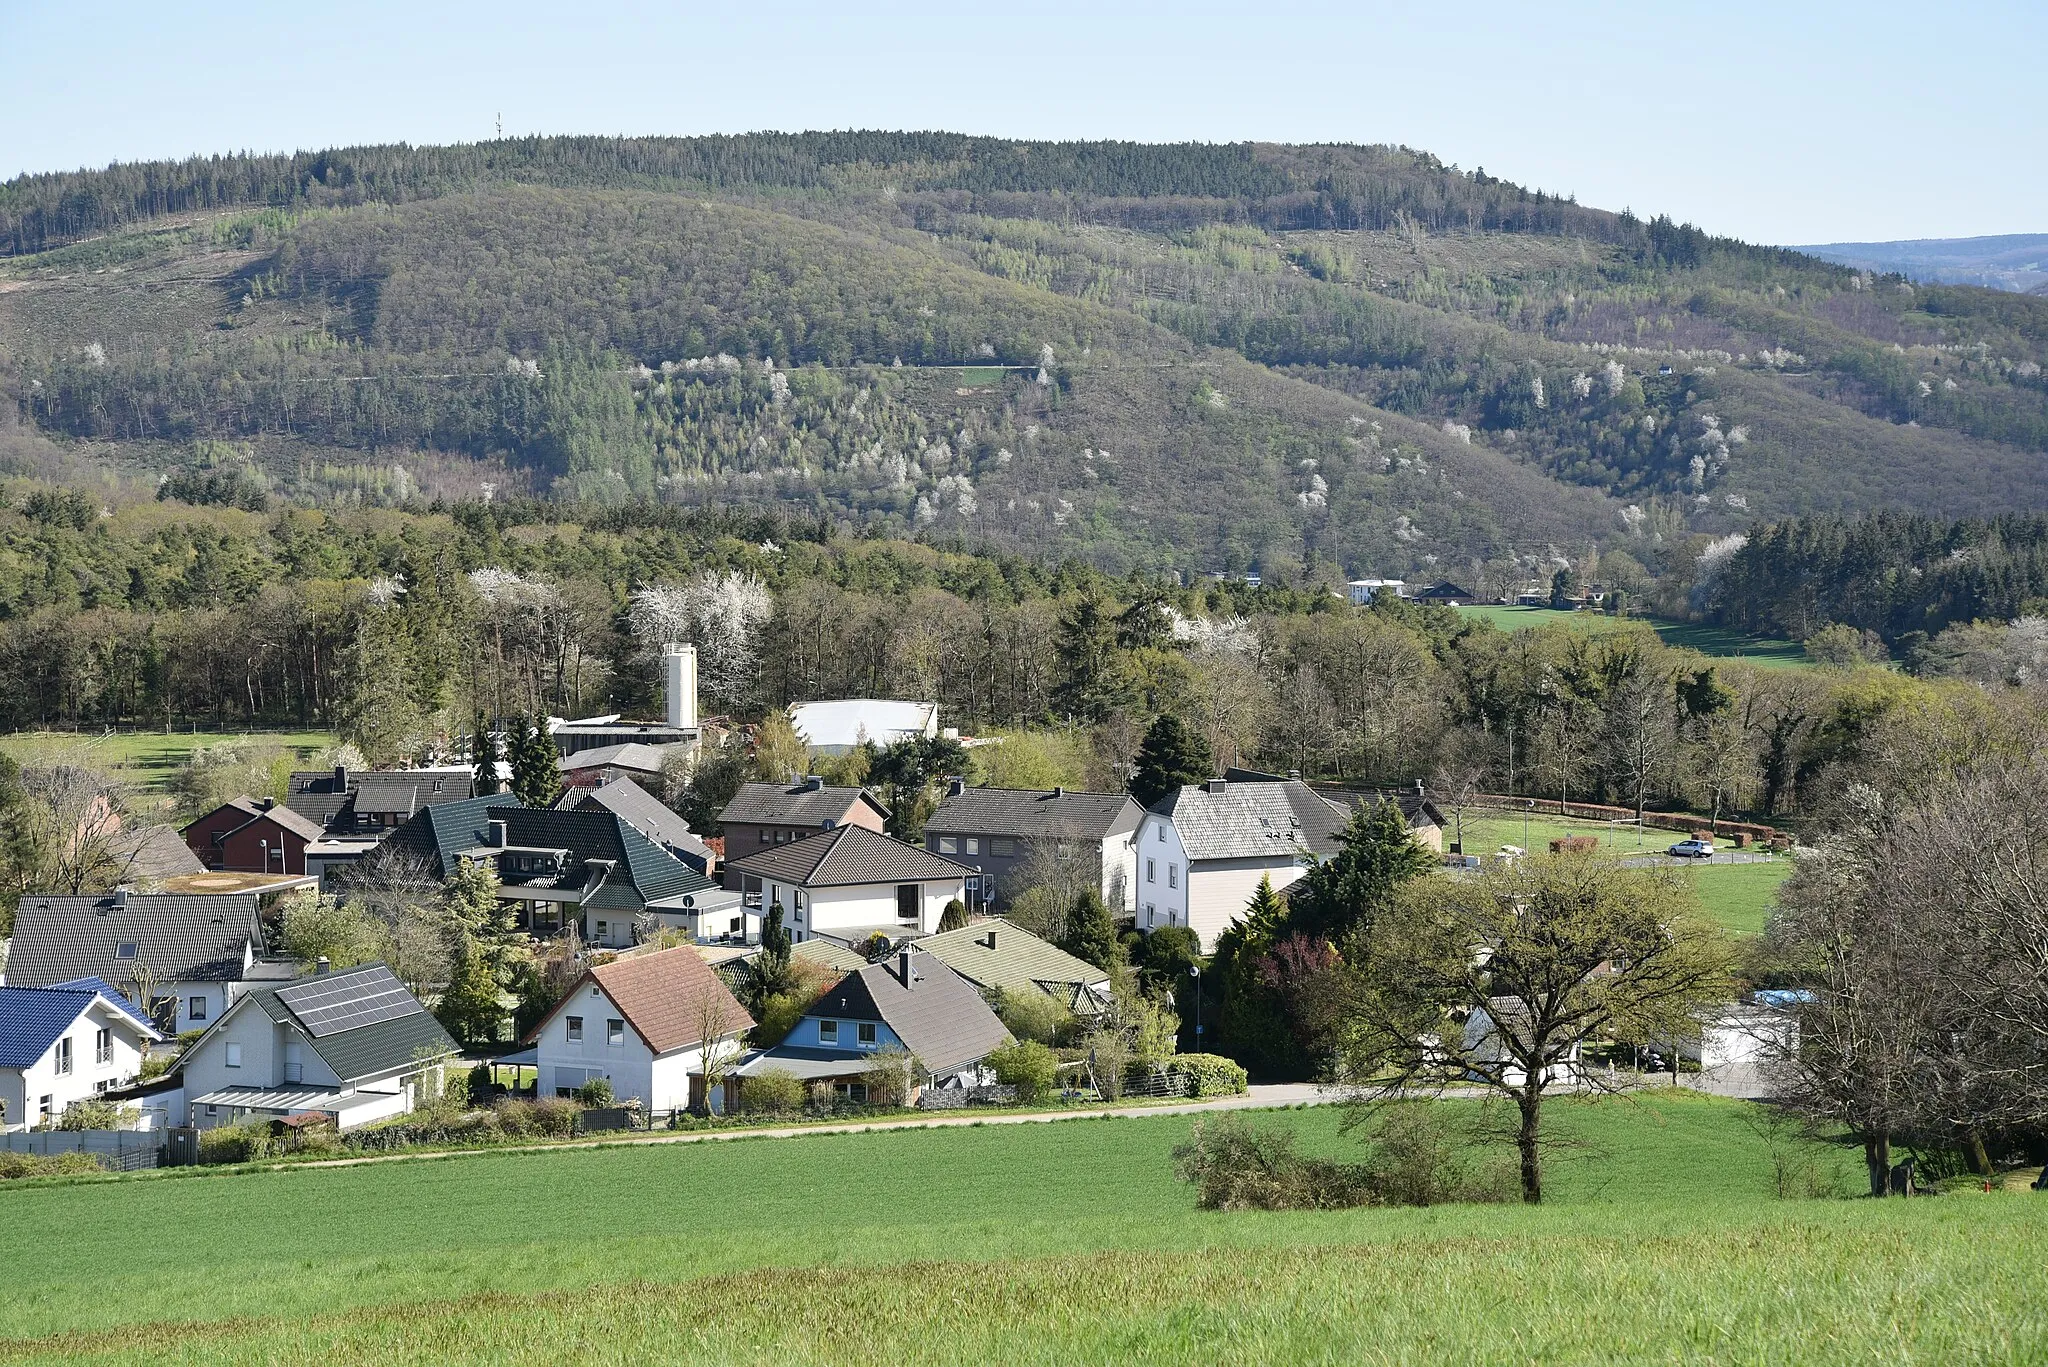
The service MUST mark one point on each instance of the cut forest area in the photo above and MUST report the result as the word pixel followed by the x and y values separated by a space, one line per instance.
pixel 1100 1245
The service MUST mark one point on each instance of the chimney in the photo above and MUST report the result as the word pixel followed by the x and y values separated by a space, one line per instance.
pixel 1216 785
pixel 955 786
pixel 120 899
pixel 812 783
pixel 341 778
pixel 990 938
pixel 1294 775
pixel 267 803
pixel 497 836
pixel 322 966
pixel 903 969
pixel 1059 790
pixel 1419 790
pixel 679 686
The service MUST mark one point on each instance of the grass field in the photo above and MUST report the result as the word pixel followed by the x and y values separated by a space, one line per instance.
pixel 1067 1242
pixel 1737 895
pixel 1715 641
pixel 148 759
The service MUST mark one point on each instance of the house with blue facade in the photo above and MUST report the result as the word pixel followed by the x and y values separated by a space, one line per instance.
pixel 911 1004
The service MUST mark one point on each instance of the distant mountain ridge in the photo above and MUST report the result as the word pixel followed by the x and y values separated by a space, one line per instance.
pixel 2013 261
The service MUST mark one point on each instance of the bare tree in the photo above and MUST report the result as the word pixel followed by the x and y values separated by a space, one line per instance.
pixel 401 894
pixel 1463 766
pixel 67 829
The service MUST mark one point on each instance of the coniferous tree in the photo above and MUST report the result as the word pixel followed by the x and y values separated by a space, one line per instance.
pixel 1091 933
pixel 1171 755
pixel 484 752
pixel 536 768
pixel 1254 1026
pixel 472 1005
pixel 1346 892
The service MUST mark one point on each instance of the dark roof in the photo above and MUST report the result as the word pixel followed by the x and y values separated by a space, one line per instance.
pixel 1444 589
pixel 179 937
pixel 996 955
pixel 641 810
pixel 34 1018
pixel 318 796
pixel 442 834
pixel 663 996
pixel 775 804
pixel 1036 814
pixel 941 1017
pixel 397 1031
pixel 1415 806
pixel 849 856
pixel 239 812
pixel 1252 818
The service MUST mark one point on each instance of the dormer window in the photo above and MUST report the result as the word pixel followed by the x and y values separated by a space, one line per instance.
pixel 127 949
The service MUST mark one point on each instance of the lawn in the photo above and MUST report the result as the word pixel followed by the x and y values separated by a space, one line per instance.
pixel 1066 1242
pixel 1740 896
pixel 148 759
pixel 1718 642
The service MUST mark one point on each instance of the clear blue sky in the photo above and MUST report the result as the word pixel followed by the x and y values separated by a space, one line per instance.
pixel 1783 122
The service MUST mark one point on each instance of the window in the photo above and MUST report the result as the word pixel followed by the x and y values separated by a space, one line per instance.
pixel 1002 845
pixel 103 1046
pixel 48 1107
pixel 828 1032
pixel 603 929
pixel 63 1056
pixel 852 1091
pixel 126 949
pixel 1151 871
pixel 866 1033
pixel 615 1033
pixel 213 1110
pixel 1151 914
pixel 974 844
pixel 195 1009
pixel 948 845
pixel 575 1024
pixel 234 1059
pixel 764 835
pixel 909 901
pixel 1173 875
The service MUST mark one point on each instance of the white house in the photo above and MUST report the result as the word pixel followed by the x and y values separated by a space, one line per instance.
pixel 182 957
pixel 1362 590
pixel 351 1045
pixel 644 1023
pixel 849 882
pixel 1203 850
pixel 1003 832
pixel 64 1043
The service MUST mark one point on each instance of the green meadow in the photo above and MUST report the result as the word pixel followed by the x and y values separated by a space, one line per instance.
pixel 1662 1239
pixel 147 760
pixel 1719 642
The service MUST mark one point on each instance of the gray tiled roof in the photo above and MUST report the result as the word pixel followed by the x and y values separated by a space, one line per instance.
pixel 776 804
pixel 941 1018
pixel 1036 814
pixel 179 937
pixel 1017 961
pixel 1252 820
pixel 641 810
pixel 155 852
pixel 368 1051
pixel 442 833
pixel 315 794
pixel 847 856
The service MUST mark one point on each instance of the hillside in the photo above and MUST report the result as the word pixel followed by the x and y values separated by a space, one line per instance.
pixel 1300 359
pixel 2012 261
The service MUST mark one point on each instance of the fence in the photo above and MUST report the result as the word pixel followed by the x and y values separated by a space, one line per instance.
pixel 116 1150
pixel 959 1098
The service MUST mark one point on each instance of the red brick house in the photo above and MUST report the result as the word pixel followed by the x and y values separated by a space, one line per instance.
pixel 252 835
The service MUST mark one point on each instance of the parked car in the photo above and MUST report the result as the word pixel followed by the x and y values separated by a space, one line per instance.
pixel 1691 849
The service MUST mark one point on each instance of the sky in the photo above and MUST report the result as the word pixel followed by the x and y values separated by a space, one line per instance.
pixel 1786 123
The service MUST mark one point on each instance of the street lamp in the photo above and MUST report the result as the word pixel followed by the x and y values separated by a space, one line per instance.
pixel 1195 972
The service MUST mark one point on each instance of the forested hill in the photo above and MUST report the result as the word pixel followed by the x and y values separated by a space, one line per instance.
pixel 1310 361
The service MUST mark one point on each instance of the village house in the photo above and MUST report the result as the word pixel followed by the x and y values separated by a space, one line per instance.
pixel 911 1004
pixel 64 1043
pixel 1446 594
pixel 644 1023
pixel 252 835
pixel 646 814
pixel 1002 832
pixel 351 1045
pixel 586 868
pixel 352 802
pixel 850 882
pixel 182 958
pixel 998 957
pixel 764 814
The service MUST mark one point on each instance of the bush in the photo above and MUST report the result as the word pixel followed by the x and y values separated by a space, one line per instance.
pixel 772 1091
pixel 1210 1074
pixel 74 1164
pixel 548 1117
pixel 594 1093
pixel 1419 1160
pixel 243 1143
pixel 1034 1015
pixel 1028 1066
pixel 889 1077
pixel 95 1113
pixel 1236 1166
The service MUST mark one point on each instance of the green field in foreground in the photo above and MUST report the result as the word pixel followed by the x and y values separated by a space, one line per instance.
pixel 1066 1242
pixel 149 759
pixel 1708 640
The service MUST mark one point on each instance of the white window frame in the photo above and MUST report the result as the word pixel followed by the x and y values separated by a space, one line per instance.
pixel 948 845
pixel 828 1032
pixel 61 1065
pixel 614 1033
pixel 103 1046
pixel 572 1029
pixel 1172 875
pixel 866 1035
pixel 1151 870
pixel 232 1054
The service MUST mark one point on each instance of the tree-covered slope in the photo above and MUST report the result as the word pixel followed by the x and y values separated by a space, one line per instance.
pixel 1189 357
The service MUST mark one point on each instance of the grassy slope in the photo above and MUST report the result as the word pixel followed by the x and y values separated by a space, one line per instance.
pixel 148 759
pixel 1719 642
pixel 1040 1243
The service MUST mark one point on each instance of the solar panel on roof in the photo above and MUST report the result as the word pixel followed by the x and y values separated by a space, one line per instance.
pixel 328 1006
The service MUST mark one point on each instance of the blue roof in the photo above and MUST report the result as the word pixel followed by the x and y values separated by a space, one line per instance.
pixel 107 990
pixel 34 1018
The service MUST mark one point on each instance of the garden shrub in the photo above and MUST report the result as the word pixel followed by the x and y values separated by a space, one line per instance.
pixel 97 1113
pixel 73 1164
pixel 773 1091
pixel 1236 1166
pixel 1210 1074
pixel 1419 1158
pixel 1028 1066
pixel 243 1143
pixel 594 1093
pixel 547 1117
pixel 1034 1015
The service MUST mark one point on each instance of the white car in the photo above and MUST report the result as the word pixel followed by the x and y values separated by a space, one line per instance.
pixel 1692 849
